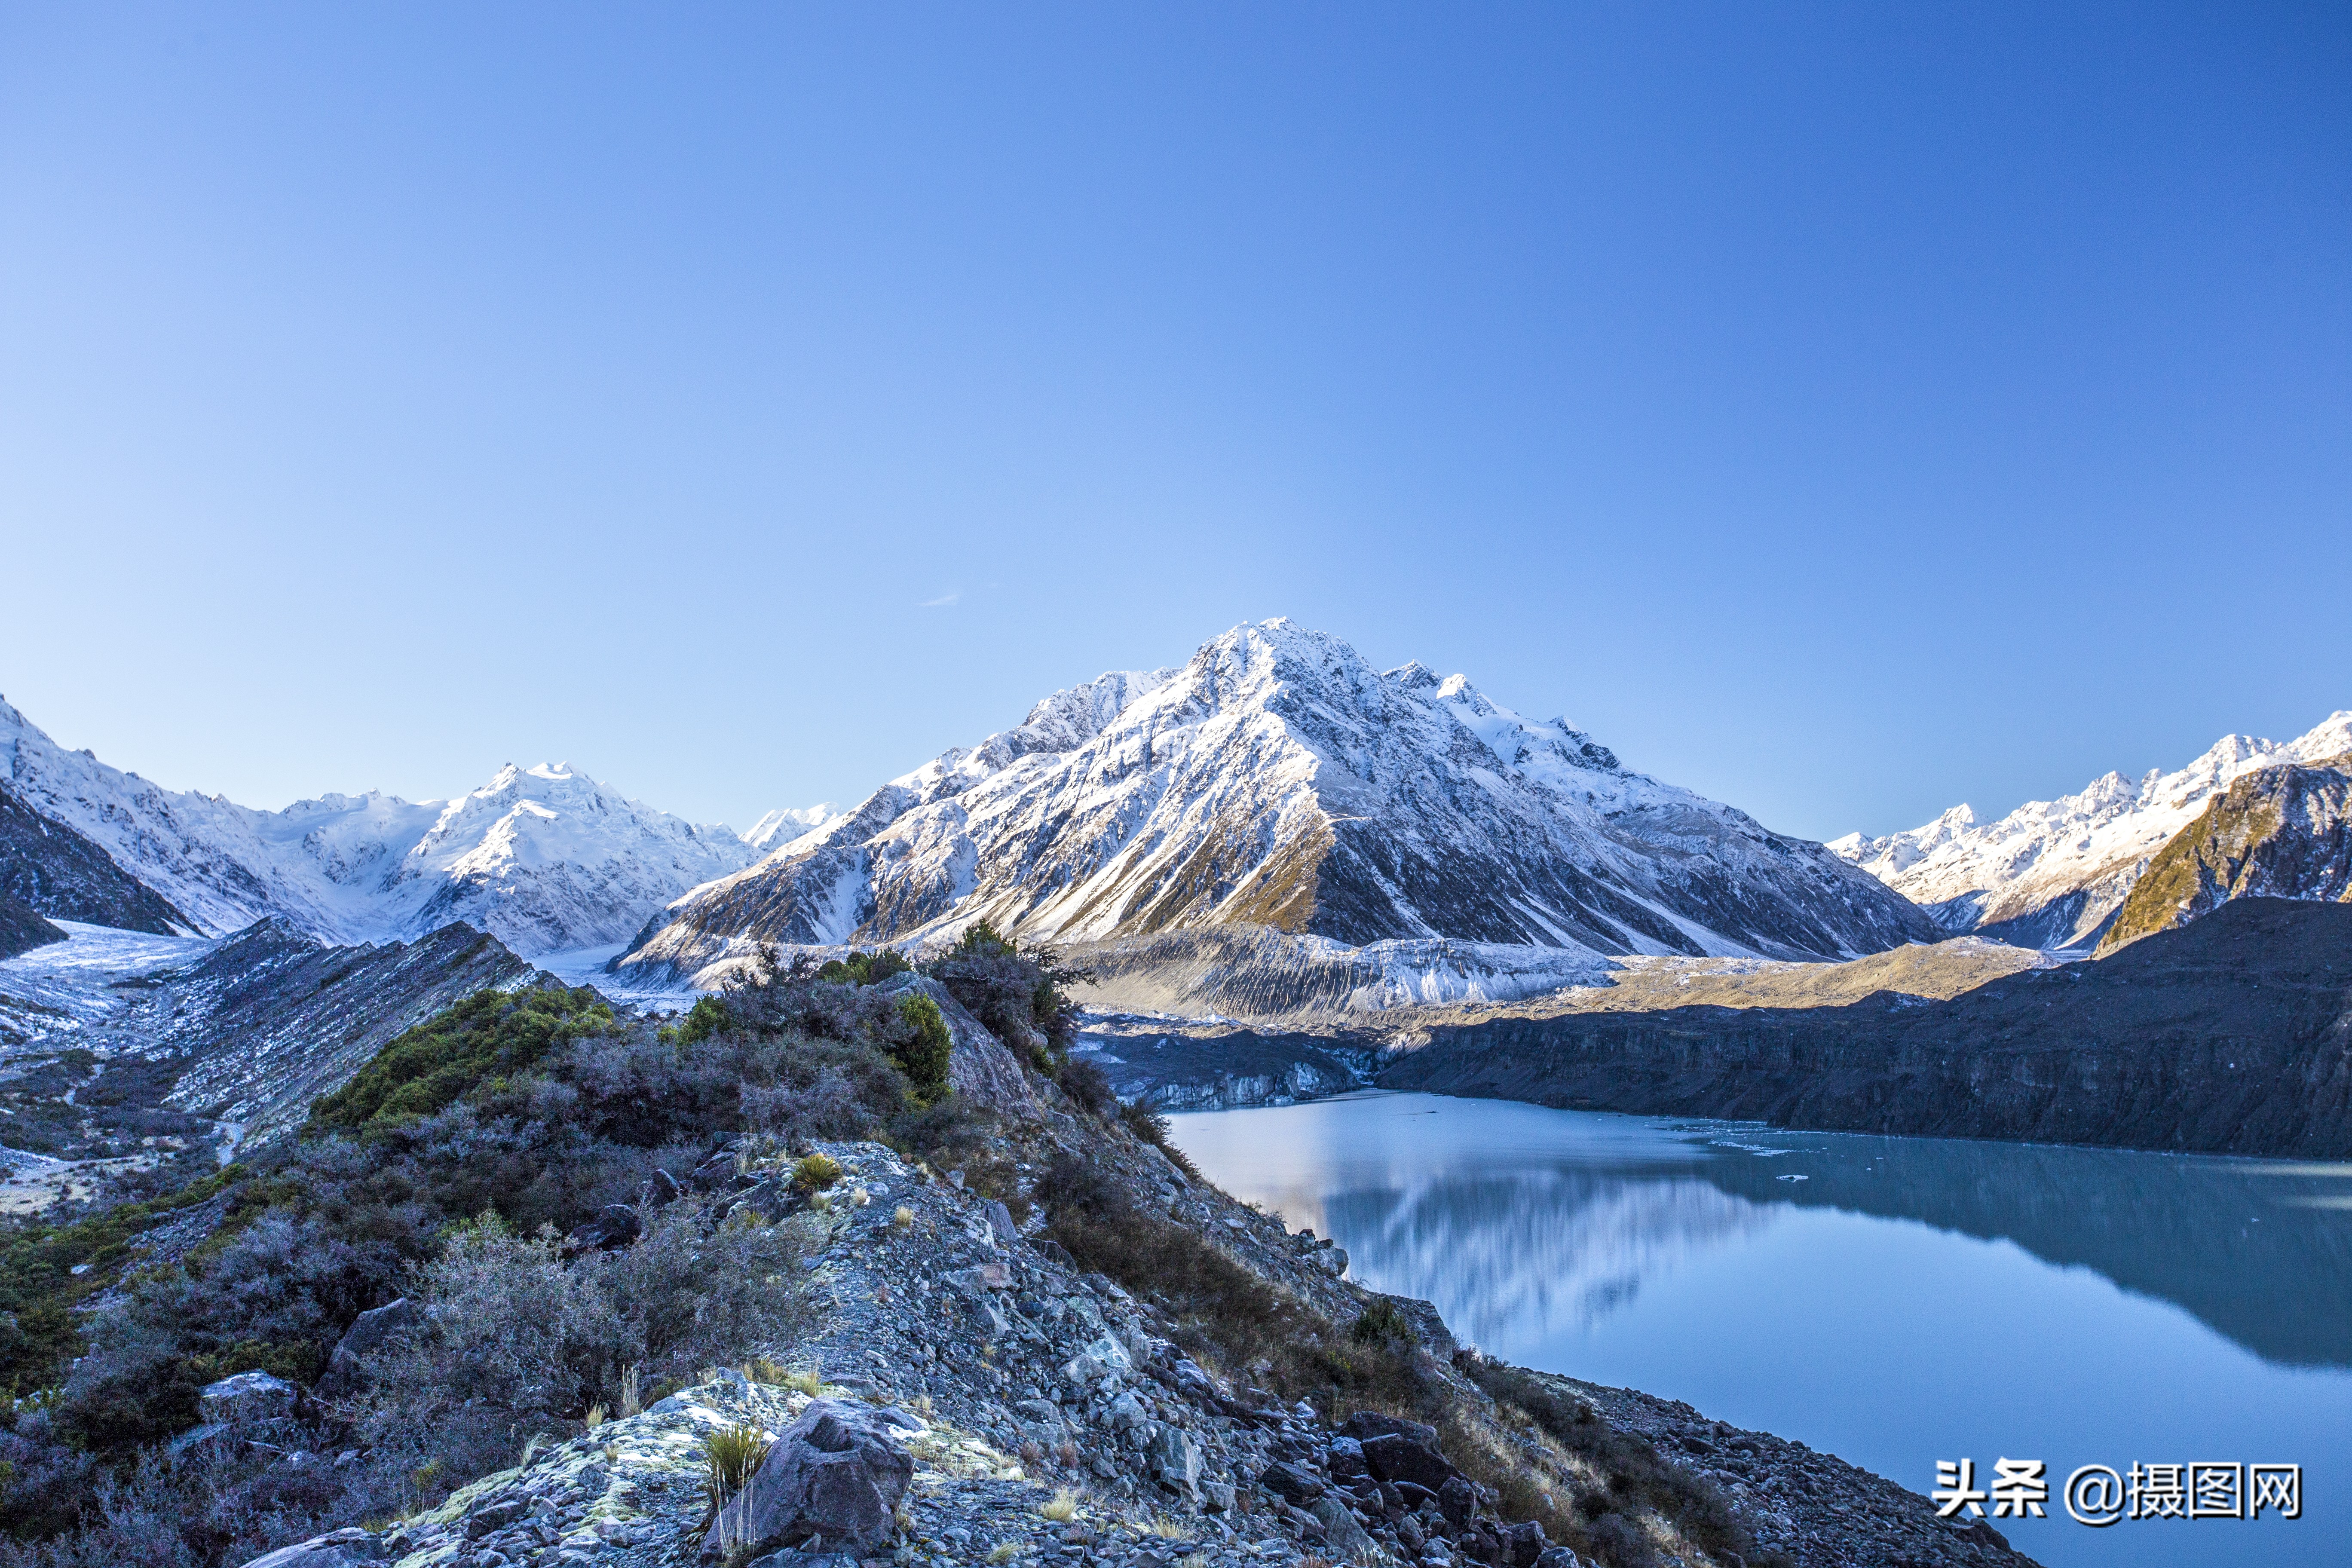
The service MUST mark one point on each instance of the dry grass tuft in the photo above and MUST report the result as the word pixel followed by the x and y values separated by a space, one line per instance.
pixel 1064 1507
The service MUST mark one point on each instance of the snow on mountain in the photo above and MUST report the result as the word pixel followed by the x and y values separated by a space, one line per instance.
pixel 2054 872
pixel 1279 780
pixel 779 828
pixel 544 858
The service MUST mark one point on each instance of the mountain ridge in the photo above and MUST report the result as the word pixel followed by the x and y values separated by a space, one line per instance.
pixel 544 858
pixel 2278 832
pixel 1276 779
pixel 2052 873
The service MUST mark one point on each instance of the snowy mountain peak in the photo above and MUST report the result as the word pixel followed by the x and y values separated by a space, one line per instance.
pixel 782 826
pixel 544 858
pixel 2054 872
pixel 1278 779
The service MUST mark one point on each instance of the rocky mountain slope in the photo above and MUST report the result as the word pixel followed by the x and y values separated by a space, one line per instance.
pixel 22 928
pixel 48 868
pixel 226 1047
pixel 2231 1035
pixel 544 858
pixel 1277 780
pixel 2279 833
pixel 2054 872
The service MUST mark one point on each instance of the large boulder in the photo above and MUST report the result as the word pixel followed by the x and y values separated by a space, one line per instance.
pixel 1291 1482
pixel 347 1371
pixel 1175 1461
pixel 1343 1537
pixel 1399 1458
pixel 832 1481
pixel 343 1549
pixel 980 1067
pixel 250 1399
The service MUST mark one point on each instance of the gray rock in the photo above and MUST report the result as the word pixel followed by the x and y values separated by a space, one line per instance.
pixel 1105 1357
pixel 1293 1482
pixel 341 1549
pixel 1217 1497
pixel 833 1480
pixel 1558 1557
pixel 1366 1424
pixel 196 1437
pixel 249 1399
pixel 1523 1544
pixel 980 1067
pixel 493 1517
pixel 1397 1457
pixel 347 1368
pixel 1341 1534
pixel 1000 1221
pixel 1041 1414
pixel 1175 1460
pixel 616 1225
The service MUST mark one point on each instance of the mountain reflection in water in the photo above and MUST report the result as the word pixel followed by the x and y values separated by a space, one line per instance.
pixel 1520 1218
pixel 1896 1301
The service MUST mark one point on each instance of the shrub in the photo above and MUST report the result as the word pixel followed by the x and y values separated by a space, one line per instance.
pixel 924 1058
pixel 730 1458
pixel 817 1173
pixel 1086 1084
pixel 1152 1128
pixel 486 1036
pixel 865 968
pixel 704 1019
pixel 1019 998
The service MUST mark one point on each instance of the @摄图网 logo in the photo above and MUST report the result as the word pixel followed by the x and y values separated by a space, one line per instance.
pixel 2100 1495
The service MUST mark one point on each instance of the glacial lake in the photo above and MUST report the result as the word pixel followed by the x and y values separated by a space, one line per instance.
pixel 1893 1301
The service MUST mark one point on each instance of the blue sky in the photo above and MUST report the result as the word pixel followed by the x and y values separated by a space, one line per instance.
pixel 1842 410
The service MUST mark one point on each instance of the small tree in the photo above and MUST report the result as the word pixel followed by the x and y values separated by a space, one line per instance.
pixel 924 1058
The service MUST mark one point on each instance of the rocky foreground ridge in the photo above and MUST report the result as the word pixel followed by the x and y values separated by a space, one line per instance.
pixel 686 1324
pixel 1004 1405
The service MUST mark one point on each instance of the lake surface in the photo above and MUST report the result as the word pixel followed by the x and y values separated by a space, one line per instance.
pixel 1893 1301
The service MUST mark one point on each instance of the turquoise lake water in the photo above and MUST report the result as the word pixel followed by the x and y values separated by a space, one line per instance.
pixel 1894 1302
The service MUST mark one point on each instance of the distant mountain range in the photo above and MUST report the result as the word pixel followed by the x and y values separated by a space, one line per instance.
pixel 2278 832
pixel 544 858
pixel 1277 780
pixel 2052 873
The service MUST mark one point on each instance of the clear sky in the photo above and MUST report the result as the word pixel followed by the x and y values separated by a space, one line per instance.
pixel 1841 410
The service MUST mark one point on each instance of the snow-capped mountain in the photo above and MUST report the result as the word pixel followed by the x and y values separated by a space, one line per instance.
pixel 544 858
pixel 1279 780
pixel 2054 872
pixel 778 828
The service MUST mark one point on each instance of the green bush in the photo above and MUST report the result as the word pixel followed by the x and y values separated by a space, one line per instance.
pixel 704 1019
pixel 864 968
pixel 924 1058
pixel 486 1037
